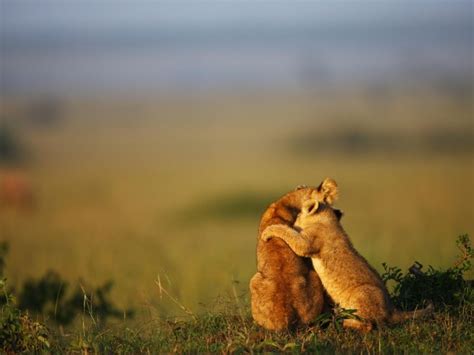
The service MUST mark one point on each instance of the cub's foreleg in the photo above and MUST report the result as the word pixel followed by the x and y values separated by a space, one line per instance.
pixel 299 242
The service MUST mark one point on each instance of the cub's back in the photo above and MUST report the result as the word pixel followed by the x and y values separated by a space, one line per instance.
pixel 275 257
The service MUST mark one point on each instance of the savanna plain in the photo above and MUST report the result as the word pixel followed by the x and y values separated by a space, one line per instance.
pixel 163 196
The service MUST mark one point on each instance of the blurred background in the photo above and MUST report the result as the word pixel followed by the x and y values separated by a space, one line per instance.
pixel 144 139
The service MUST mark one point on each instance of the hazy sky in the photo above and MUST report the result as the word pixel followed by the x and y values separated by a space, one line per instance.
pixel 29 15
pixel 71 44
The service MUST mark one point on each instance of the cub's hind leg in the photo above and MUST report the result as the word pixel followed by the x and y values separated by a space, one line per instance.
pixel 372 306
pixel 271 307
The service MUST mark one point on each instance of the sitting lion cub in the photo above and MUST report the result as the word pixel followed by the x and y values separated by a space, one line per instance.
pixel 347 277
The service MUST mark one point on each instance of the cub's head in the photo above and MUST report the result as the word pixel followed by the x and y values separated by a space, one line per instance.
pixel 327 191
pixel 317 209
pixel 317 213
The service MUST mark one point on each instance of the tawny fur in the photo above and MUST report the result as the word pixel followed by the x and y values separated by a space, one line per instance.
pixel 346 276
pixel 285 291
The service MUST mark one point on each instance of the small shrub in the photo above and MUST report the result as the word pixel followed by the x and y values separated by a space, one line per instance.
pixel 49 296
pixel 439 287
pixel 18 333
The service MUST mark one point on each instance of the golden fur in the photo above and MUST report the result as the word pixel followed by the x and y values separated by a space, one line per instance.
pixel 346 276
pixel 286 291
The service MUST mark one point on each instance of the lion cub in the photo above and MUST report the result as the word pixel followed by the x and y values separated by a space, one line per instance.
pixel 346 276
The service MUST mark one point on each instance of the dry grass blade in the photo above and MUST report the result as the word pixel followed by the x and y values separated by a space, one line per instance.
pixel 163 290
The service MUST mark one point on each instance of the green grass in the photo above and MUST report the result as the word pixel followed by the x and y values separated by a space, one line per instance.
pixel 130 190
pixel 448 330
pixel 227 327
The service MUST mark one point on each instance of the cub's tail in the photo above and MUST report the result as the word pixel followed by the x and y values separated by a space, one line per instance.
pixel 400 316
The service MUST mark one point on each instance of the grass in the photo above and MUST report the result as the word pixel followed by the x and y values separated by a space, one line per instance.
pixel 447 331
pixel 119 230
pixel 131 189
pixel 228 327
pixel 231 329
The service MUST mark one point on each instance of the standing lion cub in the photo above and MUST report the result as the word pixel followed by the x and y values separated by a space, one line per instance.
pixel 346 276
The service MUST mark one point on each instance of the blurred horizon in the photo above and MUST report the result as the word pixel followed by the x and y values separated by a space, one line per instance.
pixel 66 47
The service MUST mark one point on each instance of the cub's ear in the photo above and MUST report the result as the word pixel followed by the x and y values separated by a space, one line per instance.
pixel 310 206
pixel 328 190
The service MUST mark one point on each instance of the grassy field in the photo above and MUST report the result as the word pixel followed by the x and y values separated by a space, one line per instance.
pixel 447 332
pixel 230 328
pixel 136 189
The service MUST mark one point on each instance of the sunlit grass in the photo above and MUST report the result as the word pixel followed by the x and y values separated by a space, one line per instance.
pixel 176 190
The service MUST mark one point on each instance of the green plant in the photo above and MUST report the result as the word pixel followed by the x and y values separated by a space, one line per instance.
pixel 18 332
pixel 49 296
pixel 440 287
